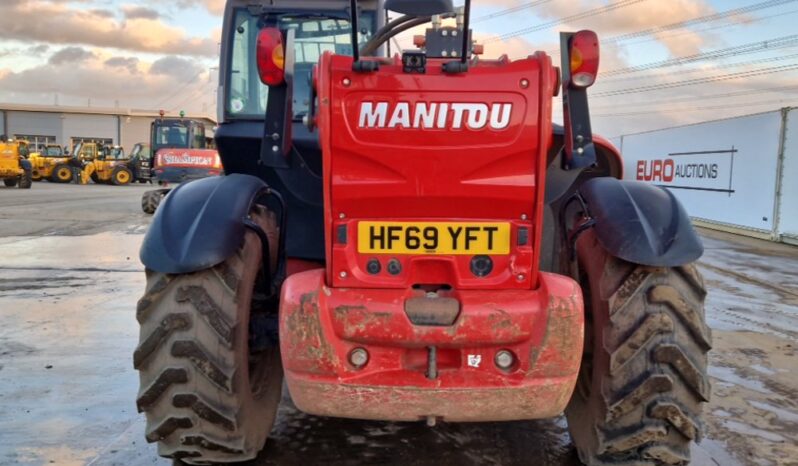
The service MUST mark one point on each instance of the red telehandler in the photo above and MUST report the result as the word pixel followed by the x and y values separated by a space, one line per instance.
pixel 410 238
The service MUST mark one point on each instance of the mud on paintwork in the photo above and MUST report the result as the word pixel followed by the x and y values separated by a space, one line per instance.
pixel 561 350
pixel 357 319
pixel 305 336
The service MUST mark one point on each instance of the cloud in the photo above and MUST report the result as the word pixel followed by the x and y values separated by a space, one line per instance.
pixel 139 12
pixel 129 63
pixel 172 82
pixel 632 18
pixel 214 7
pixel 64 24
pixel 178 67
pixel 70 55
pixel 38 49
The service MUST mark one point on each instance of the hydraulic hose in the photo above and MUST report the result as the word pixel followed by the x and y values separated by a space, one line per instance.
pixel 394 28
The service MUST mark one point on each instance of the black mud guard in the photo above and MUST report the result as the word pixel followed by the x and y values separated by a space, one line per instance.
pixel 641 223
pixel 200 224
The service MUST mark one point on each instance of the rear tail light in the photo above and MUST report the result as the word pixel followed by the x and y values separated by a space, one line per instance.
pixel 584 53
pixel 271 56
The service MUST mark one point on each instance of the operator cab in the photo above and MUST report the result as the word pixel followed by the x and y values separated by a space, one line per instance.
pixel 170 133
pixel 52 151
pixel 318 27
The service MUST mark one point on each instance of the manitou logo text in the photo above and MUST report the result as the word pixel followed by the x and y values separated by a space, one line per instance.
pixel 422 115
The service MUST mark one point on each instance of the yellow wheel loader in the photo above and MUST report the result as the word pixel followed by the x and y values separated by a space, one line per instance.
pixel 51 164
pixel 104 165
pixel 15 168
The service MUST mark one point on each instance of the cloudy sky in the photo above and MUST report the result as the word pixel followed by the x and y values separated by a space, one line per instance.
pixel 664 62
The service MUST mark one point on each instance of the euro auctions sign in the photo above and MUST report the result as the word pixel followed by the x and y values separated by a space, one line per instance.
pixel 708 170
pixel 722 171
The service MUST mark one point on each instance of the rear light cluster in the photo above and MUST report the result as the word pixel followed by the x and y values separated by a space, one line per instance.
pixel 504 359
pixel 393 267
pixel 584 50
pixel 271 56
pixel 481 266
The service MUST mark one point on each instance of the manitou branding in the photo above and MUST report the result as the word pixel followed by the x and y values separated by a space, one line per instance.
pixel 435 115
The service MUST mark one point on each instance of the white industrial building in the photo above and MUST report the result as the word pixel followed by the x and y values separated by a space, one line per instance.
pixel 67 126
pixel 739 174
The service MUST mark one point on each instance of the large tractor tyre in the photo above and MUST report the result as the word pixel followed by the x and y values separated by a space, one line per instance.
pixel 121 176
pixel 206 397
pixel 643 380
pixel 10 182
pixel 26 180
pixel 36 175
pixel 150 201
pixel 62 173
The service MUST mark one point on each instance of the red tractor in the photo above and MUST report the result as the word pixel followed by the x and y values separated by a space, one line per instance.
pixel 410 238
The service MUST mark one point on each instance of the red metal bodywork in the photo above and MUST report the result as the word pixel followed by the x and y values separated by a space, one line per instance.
pixel 452 169
pixel 319 326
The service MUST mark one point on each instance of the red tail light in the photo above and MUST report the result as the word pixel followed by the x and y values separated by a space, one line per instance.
pixel 584 52
pixel 271 56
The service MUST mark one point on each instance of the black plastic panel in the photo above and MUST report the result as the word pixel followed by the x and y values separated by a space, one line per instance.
pixel 200 224
pixel 641 223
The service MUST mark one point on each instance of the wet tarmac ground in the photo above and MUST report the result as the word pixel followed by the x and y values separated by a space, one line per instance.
pixel 70 277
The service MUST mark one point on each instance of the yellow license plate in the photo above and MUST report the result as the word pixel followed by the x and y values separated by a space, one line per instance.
pixel 433 238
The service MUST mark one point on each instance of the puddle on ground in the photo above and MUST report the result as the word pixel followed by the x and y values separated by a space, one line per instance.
pixel 104 251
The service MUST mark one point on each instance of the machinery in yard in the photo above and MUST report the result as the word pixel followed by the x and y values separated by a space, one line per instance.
pixel 101 164
pixel 141 162
pixel 181 154
pixel 43 164
pixel 15 168
pixel 411 238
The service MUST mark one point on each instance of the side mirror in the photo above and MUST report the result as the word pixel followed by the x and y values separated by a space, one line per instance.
pixel 420 7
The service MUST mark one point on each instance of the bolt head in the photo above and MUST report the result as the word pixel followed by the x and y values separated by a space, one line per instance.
pixel 343 274
pixel 520 277
pixel 524 216
pixel 346 82
pixel 524 83
pixel 504 359
pixel 342 215
pixel 359 357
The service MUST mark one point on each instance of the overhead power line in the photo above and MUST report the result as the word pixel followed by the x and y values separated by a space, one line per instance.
pixel 695 109
pixel 722 66
pixel 754 47
pixel 575 17
pixel 723 95
pixel 612 41
pixel 696 81
pixel 714 27
pixel 180 89
pixel 700 20
pixel 508 11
